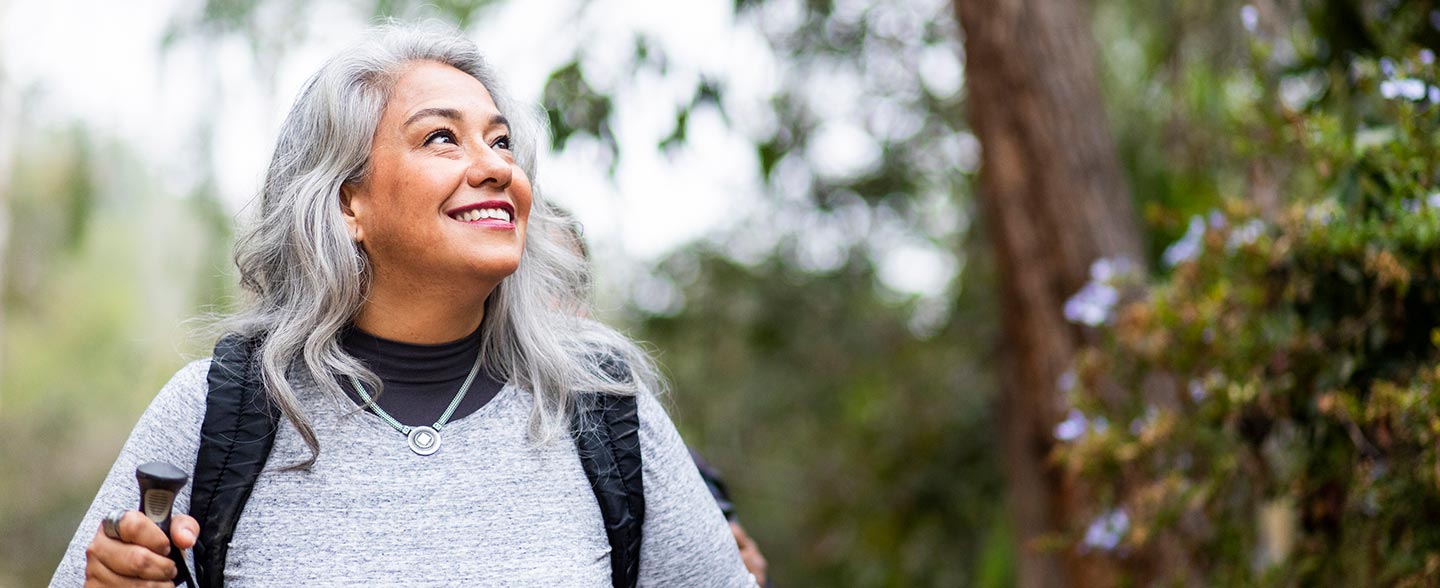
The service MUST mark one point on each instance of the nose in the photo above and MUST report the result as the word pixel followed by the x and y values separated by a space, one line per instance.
pixel 489 167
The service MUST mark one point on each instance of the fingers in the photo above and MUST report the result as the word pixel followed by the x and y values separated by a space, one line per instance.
pixel 184 530
pixel 113 563
pixel 742 539
pixel 750 553
pixel 138 530
pixel 98 575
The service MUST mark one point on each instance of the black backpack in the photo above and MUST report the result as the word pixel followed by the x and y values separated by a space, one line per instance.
pixel 239 432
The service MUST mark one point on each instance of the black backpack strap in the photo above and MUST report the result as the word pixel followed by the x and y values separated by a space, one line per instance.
pixel 235 441
pixel 610 452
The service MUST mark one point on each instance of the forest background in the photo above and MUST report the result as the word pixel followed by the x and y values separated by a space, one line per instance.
pixel 1018 292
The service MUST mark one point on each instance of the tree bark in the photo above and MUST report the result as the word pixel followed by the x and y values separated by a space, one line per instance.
pixel 1054 199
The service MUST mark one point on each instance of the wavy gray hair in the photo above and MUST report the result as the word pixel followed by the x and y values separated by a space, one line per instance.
pixel 305 279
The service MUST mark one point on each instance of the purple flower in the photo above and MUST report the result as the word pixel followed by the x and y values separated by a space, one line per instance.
pixel 1387 67
pixel 1427 56
pixel 1107 530
pixel 1138 425
pixel 1073 427
pixel 1249 17
pixel 1246 234
pixel 1092 304
pixel 1433 200
pixel 1107 269
pixel 1321 213
pixel 1216 218
pixel 1433 95
pixel 1189 245
pixel 1066 381
pixel 1407 88
pixel 1197 390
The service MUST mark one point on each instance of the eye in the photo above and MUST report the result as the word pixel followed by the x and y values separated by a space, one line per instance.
pixel 441 136
pixel 502 142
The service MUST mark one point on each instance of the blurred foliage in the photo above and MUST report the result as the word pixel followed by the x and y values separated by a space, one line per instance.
pixel 877 55
pixel 1263 413
pixel 573 106
pixel 852 422
pixel 95 302
pixel 273 27
pixel 860 453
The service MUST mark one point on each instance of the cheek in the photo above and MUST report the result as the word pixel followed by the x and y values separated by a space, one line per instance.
pixel 419 192
pixel 523 195
pixel 418 186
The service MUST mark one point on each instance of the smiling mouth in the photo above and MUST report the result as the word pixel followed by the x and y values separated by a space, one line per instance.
pixel 493 210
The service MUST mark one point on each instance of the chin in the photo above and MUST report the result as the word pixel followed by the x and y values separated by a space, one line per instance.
pixel 496 269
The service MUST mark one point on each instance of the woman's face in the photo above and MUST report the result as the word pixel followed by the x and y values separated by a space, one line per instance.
pixel 444 202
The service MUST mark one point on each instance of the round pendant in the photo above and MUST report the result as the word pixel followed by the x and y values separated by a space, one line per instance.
pixel 424 440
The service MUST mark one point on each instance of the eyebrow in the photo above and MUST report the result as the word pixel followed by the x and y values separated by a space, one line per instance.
pixel 451 114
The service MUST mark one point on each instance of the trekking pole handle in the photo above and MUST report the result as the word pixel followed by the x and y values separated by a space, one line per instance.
pixel 160 482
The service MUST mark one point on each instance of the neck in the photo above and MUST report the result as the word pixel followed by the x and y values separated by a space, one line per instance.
pixel 423 316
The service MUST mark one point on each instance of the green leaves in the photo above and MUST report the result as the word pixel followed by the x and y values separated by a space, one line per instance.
pixel 859 453
pixel 573 106
pixel 1279 384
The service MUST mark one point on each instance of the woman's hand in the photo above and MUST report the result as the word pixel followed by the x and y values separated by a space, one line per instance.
pixel 142 558
pixel 750 553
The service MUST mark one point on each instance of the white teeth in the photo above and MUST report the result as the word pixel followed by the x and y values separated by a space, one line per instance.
pixel 475 214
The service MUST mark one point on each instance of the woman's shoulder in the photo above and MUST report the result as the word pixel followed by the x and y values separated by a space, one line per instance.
pixel 192 372
pixel 190 379
pixel 181 401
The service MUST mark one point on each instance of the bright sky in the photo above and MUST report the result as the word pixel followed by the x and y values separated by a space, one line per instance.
pixel 101 62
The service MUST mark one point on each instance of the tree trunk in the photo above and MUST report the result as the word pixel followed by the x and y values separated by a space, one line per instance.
pixel 1053 199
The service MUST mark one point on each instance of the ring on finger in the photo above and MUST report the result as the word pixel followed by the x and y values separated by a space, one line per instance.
pixel 111 524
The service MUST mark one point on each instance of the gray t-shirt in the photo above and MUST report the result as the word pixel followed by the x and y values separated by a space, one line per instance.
pixel 489 509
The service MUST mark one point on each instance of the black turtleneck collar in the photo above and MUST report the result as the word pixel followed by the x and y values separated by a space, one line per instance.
pixel 412 363
pixel 420 380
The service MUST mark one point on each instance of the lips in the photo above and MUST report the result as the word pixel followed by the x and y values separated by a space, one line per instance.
pixel 491 212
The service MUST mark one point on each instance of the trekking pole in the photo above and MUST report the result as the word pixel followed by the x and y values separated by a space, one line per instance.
pixel 159 483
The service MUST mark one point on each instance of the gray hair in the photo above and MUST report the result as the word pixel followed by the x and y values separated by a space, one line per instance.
pixel 305 279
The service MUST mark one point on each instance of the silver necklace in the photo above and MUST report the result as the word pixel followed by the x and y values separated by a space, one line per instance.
pixel 423 440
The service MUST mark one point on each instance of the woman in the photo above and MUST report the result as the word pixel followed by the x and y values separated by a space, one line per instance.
pixel 402 248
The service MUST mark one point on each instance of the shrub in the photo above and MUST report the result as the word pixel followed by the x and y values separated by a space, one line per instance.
pixel 1263 412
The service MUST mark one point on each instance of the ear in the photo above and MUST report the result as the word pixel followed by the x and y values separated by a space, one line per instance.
pixel 350 207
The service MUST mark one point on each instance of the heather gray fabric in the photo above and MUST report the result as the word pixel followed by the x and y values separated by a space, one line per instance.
pixel 487 510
